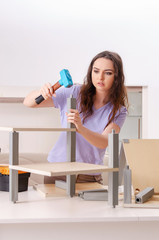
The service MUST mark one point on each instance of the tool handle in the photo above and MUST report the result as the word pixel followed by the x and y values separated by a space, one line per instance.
pixel 40 98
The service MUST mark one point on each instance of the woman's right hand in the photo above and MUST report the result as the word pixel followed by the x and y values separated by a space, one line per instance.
pixel 47 91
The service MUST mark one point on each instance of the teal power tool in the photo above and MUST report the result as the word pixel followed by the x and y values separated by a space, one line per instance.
pixel 66 81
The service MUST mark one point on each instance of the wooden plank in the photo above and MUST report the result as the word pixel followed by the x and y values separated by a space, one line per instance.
pixel 63 168
pixel 49 190
pixel 11 100
pixel 7 129
pixel 134 88
pixel 131 205
pixel 142 155
pixel 151 203
pixel 11 129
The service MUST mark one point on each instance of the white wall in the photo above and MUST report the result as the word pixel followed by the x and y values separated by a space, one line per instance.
pixel 38 38
pixel 17 115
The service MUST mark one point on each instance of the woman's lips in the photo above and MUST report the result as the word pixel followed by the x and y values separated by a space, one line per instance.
pixel 100 84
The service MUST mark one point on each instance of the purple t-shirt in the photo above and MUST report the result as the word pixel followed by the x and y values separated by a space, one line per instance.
pixel 85 152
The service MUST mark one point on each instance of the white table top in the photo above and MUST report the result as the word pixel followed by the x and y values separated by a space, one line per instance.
pixel 32 208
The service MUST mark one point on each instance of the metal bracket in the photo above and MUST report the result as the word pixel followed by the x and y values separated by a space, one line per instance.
pixel 94 195
pixel 144 195
pixel 13 160
pixel 61 184
pixel 113 141
pixel 71 149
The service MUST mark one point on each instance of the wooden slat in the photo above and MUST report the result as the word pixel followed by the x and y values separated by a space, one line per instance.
pixel 153 202
pixel 12 129
pixel 63 168
pixel 148 205
pixel 134 88
pixel 142 156
pixel 11 100
pixel 49 190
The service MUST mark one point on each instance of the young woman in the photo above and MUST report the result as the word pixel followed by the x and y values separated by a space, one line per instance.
pixel 101 106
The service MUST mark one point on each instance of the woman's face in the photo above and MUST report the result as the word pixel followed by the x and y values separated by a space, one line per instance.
pixel 103 74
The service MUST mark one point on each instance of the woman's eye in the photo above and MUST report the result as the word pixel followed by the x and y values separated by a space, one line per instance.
pixel 108 73
pixel 96 71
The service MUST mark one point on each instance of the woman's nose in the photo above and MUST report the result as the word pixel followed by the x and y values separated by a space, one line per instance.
pixel 101 76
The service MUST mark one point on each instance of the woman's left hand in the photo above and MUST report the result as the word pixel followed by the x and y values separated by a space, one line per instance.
pixel 74 117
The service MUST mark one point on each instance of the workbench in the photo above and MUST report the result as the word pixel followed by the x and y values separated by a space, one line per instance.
pixel 62 217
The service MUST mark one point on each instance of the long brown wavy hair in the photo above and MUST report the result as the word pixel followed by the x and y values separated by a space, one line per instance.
pixel 117 95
